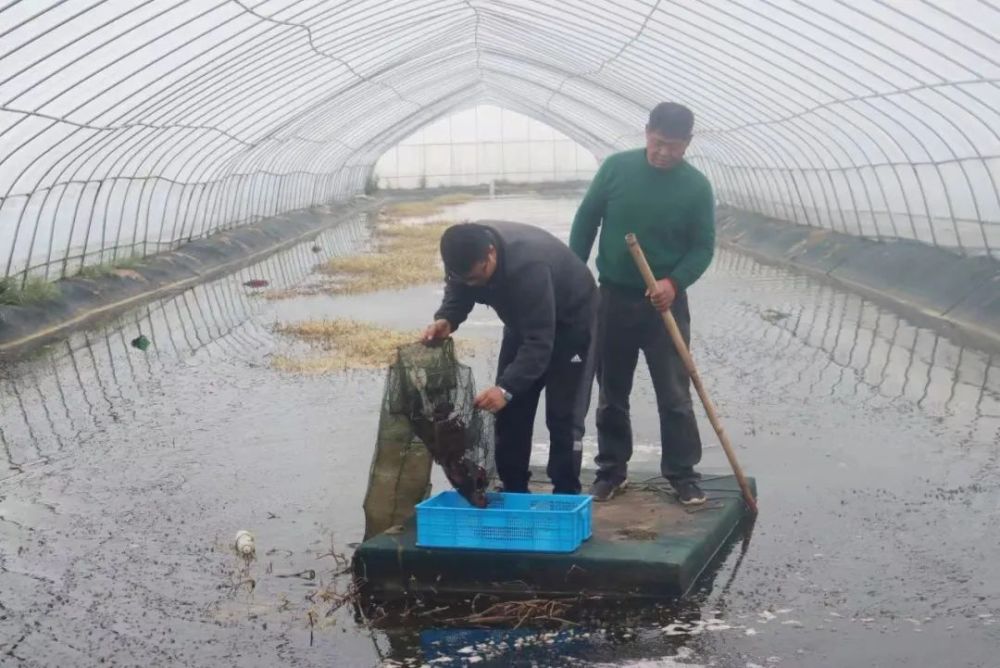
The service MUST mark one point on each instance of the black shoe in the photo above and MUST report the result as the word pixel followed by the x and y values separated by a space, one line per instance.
pixel 605 490
pixel 689 493
pixel 500 489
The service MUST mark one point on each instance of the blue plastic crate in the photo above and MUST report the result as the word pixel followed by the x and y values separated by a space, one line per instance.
pixel 511 522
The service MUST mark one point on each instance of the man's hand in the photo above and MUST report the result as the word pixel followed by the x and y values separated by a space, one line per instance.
pixel 664 294
pixel 491 400
pixel 439 330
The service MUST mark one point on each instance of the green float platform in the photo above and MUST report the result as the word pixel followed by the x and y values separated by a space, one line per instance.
pixel 644 544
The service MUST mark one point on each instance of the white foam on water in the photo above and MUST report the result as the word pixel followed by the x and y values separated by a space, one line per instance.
pixel 665 662
pixel 696 627
pixel 680 660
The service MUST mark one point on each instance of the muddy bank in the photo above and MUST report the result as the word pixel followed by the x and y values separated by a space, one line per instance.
pixel 960 295
pixel 87 299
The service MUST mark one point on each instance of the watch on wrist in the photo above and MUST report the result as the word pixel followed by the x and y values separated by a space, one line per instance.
pixel 507 396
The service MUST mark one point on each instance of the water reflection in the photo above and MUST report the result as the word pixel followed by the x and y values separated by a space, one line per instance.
pixel 830 343
pixel 835 343
pixel 62 397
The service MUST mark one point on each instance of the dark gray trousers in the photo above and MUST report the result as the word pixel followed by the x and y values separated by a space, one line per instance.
pixel 570 367
pixel 628 323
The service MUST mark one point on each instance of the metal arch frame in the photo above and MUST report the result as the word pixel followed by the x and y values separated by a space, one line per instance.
pixel 914 135
pixel 763 144
pixel 111 169
pixel 215 178
pixel 956 127
pixel 639 104
pixel 821 132
pixel 896 120
pixel 137 218
pixel 167 138
pixel 388 139
pixel 332 149
pixel 32 244
pixel 800 198
pixel 944 184
pixel 254 146
pixel 84 103
pixel 804 141
pixel 545 114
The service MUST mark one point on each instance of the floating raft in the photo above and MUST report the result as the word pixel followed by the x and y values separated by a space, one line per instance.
pixel 644 544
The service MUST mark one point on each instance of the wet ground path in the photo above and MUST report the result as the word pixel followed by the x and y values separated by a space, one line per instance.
pixel 125 475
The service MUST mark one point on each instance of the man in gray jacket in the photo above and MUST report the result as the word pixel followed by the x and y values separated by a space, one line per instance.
pixel 547 299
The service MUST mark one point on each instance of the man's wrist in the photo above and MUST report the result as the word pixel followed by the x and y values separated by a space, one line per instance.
pixel 507 396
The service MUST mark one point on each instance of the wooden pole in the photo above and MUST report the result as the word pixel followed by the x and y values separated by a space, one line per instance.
pixel 682 350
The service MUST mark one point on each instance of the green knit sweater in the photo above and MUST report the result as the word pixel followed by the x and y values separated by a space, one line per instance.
pixel 671 212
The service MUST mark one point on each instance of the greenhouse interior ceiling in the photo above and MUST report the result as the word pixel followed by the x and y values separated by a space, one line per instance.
pixel 128 127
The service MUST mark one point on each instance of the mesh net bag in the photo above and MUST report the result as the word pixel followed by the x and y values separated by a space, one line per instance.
pixel 427 416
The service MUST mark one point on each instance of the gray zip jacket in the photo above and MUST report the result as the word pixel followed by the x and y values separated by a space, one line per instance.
pixel 544 294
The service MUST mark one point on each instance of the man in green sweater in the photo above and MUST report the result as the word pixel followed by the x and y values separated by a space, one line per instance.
pixel 670 207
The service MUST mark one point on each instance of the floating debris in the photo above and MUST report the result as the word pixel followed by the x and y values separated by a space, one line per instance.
pixel 301 290
pixel 346 344
pixel 517 613
pixel 141 342
pixel 696 627
pixel 244 545
pixel 676 629
pixel 308 574
pixel 774 316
